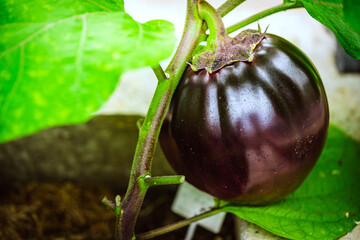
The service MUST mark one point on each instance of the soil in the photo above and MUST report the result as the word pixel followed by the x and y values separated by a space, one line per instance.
pixel 44 211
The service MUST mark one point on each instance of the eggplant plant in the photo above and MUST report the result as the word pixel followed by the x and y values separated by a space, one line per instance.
pixel 246 117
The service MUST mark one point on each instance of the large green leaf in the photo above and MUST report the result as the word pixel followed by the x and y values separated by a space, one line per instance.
pixel 331 14
pixel 327 204
pixel 60 60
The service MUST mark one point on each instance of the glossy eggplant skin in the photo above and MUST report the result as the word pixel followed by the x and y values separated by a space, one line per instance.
pixel 251 132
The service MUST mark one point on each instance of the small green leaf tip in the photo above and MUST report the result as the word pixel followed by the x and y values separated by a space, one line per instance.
pixel 220 53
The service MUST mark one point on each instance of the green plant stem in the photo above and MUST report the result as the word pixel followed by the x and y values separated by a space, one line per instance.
pixel 188 43
pixel 109 204
pixel 228 6
pixel 151 126
pixel 159 73
pixel 223 10
pixel 177 225
pixel 213 21
pixel 265 13
pixel 162 180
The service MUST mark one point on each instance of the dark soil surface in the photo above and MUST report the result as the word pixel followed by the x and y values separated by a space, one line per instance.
pixel 44 211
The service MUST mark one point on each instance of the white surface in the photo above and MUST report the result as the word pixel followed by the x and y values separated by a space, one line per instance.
pixel 190 202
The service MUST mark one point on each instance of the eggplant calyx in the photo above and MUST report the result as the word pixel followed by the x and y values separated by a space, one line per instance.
pixel 221 52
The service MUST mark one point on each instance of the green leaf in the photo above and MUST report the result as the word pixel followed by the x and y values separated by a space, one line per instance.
pixel 60 60
pixel 331 14
pixel 351 13
pixel 326 205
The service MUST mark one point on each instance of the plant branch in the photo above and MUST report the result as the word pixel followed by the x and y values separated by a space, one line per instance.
pixel 159 72
pixel 150 129
pixel 213 21
pixel 162 180
pixel 177 225
pixel 228 6
pixel 187 45
pixel 109 204
pixel 282 7
pixel 223 10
